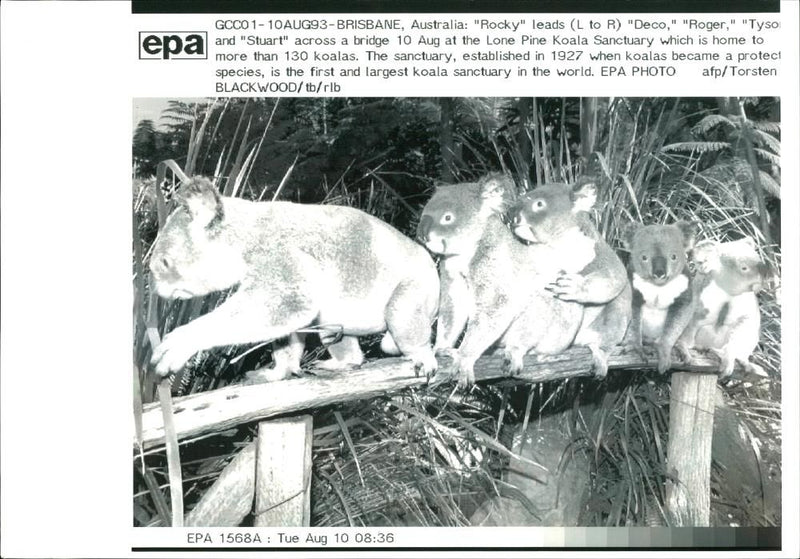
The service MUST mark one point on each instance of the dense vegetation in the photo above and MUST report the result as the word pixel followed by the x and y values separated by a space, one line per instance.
pixel 655 160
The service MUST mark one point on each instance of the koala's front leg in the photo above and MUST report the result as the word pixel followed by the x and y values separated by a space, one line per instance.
pixel 455 301
pixel 483 329
pixel 241 319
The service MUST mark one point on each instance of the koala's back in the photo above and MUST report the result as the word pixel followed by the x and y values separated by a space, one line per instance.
pixel 349 260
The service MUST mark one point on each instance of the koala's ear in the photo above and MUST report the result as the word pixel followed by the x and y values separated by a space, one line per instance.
pixel 584 198
pixel 689 232
pixel 202 200
pixel 627 232
pixel 498 186
pixel 706 256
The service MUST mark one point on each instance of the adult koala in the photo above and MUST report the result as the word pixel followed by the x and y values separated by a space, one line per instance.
pixel 295 265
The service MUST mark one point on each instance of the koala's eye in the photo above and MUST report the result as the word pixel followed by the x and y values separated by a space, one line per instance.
pixel 447 218
pixel 673 257
pixel 538 205
pixel 745 268
pixel 644 258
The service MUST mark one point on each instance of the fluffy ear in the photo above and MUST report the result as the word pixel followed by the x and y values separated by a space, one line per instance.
pixel 202 200
pixel 584 198
pixel 498 192
pixel 498 185
pixel 689 232
pixel 627 232
pixel 706 256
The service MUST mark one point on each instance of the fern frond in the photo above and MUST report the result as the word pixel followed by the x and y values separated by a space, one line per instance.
pixel 766 126
pixel 768 156
pixel 770 185
pixel 712 121
pixel 767 140
pixel 696 147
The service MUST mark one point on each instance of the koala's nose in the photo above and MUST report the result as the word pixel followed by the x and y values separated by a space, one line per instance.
pixel 424 228
pixel 659 267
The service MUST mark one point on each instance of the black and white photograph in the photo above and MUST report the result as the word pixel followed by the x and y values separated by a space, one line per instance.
pixel 457 312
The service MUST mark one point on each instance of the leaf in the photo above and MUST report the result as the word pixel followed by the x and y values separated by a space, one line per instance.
pixel 712 121
pixel 696 147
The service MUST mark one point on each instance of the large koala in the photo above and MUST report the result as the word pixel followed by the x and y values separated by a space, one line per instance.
pixel 663 302
pixel 295 265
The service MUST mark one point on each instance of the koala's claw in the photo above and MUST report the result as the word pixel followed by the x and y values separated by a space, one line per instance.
pixel 568 287
pixel 512 363
pixel 172 353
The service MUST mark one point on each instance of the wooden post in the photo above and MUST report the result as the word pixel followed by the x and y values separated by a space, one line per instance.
pixel 283 472
pixel 691 427
pixel 230 499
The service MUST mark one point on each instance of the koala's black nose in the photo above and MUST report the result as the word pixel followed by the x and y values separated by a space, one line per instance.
pixel 659 267
pixel 424 227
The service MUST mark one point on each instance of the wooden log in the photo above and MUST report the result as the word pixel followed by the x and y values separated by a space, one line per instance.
pixel 283 472
pixel 691 428
pixel 230 499
pixel 227 407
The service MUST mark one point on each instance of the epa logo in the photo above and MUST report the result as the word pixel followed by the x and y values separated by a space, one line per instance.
pixel 172 45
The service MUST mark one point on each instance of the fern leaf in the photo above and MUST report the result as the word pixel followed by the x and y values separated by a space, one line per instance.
pixel 696 147
pixel 770 185
pixel 768 156
pixel 711 121
pixel 767 126
pixel 767 140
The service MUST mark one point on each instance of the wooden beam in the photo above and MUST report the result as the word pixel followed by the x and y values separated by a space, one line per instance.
pixel 228 407
pixel 283 472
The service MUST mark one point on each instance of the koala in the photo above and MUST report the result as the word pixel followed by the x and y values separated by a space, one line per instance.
pixel 555 215
pixel 663 301
pixel 295 265
pixel 727 320
pixel 492 283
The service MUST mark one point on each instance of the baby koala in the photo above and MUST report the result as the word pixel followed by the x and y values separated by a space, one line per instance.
pixel 663 300
pixel 727 320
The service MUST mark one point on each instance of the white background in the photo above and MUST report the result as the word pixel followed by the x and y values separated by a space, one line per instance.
pixel 69 74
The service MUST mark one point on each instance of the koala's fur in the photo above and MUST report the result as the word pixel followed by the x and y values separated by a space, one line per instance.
pixel 727 320
pixel 554 215
pixel 491 282
pixel 295 265
pixel 663 302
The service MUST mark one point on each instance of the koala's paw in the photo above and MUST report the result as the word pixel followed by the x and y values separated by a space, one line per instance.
pixel 512 362
pixel 600 362
pixel 425 363
pixel 172 353
pixel 726 367
pixel 266 374
pixel 664 359
pixel 334 364
pixel 569 287
pixel 466 376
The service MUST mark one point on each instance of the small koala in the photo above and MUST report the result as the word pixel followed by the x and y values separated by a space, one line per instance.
pixel 295 265
pixel 663 301
pixel 727 320
pixel 555 216
pixel 490 281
